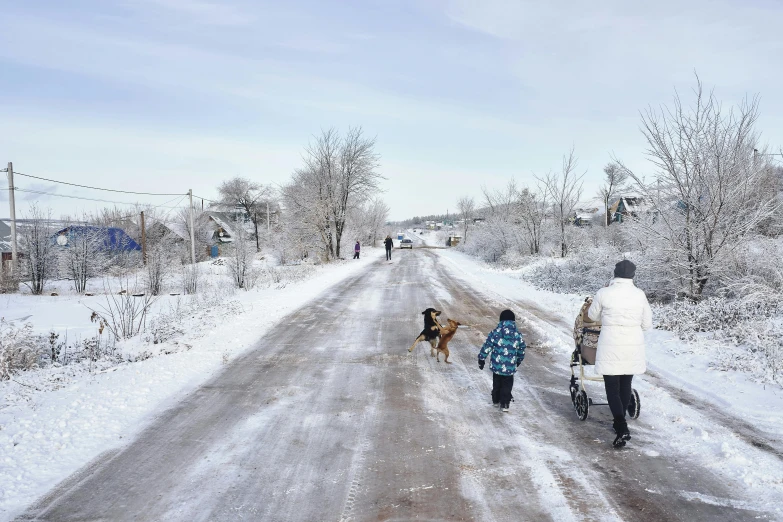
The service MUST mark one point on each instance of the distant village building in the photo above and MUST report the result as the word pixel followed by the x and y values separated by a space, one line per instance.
pixel 5 241
pixel 109 239
pixel 629 206
pixel 584 217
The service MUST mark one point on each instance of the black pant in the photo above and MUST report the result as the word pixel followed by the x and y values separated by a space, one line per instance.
pixel 501 388
pixel 356 254
pixel 618 393
pixel 388 254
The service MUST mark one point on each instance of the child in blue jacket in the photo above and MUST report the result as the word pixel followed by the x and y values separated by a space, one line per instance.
pixel 505 348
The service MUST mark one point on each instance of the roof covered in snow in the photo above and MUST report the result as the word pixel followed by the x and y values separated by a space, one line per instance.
pixel 112 238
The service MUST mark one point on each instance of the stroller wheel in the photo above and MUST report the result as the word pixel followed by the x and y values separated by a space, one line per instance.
pixel 573 389
pixel 582 405
pixel 635 406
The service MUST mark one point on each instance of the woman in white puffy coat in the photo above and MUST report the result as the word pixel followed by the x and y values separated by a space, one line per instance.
pixel 624 313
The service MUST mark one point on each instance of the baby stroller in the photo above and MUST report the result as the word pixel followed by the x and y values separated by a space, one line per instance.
pixel 586 334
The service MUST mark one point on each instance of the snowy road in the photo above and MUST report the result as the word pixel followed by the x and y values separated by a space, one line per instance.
pixel 330 418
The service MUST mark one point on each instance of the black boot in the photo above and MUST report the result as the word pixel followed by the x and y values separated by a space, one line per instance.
pixel 621 430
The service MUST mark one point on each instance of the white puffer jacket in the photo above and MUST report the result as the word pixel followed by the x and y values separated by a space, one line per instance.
pixel 624 312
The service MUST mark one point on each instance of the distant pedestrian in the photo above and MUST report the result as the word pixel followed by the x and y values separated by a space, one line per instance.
pixel 624 312
pixel 505 348
pixel 389 244
pixel 356 250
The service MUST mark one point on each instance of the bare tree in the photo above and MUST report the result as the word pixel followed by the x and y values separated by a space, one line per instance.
pixel 343 173
pixel 533 205
pixel 83 255
pixel 377 215
pixel 368 221
pixel 252 197
pixel 615 179
pixel 500 218
pixel 466 206
pixel 160 261
pixel 307 203
pixel 240 262
pixel 38 260
pixel 705 197
pixel 564 190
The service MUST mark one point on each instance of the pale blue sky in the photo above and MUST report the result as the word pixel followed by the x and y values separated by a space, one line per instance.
pixel 166 95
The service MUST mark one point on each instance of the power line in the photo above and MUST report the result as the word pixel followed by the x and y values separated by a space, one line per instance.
pixel 206 199
pixel 30 191
pixel 96 188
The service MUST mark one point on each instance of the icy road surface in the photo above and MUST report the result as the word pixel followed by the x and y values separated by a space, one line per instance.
pixel 330 418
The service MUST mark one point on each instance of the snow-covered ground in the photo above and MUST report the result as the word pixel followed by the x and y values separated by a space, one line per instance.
pixel 682 364
pixel 55 420
pixel 677 373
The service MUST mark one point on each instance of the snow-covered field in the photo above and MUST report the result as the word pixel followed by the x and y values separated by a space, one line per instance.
pixel 54 420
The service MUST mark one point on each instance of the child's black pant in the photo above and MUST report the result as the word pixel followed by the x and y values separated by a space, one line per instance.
pixel 356 254
pixel 618 393
pixel 501 388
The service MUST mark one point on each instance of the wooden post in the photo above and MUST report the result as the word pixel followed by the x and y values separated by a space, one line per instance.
pixel 143 240
pixel 192 232
pixel 12 204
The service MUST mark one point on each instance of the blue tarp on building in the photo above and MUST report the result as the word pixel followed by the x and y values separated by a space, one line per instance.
pixel 110 238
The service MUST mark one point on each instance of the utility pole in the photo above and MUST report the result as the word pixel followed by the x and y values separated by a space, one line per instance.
pixel 12 204
pixel 143 240
pixel 192 232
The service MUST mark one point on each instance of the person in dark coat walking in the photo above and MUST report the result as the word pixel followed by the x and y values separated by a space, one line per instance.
pixel 389 244
pixel 505 349
pixel 356 250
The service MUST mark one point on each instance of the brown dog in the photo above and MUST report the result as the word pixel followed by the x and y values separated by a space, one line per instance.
pixel 446 333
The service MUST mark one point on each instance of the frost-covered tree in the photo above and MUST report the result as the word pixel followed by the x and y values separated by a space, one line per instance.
pixel 340 173
pixel 704 199
pixel 35 243
pixel 252 197
pixel 615 180
pixel 533 205
pixel 84 256
pixel 240 260
pixel 161 261
pixel 564 189
pixel 466 206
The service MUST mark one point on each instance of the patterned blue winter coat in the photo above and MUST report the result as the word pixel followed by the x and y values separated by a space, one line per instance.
pixel 505 348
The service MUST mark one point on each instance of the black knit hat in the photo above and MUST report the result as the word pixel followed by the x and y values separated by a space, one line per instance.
pixel 507 315
pixel 625 269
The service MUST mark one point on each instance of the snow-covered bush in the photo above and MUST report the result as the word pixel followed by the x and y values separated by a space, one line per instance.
pixel 191 277
pixel 240 263
pixel 38 263
pixel 714 314
pixel 159 267
pixel 577 275
pixel 9 282
pixel 124 312
pixel 485 243
pixel 20 349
